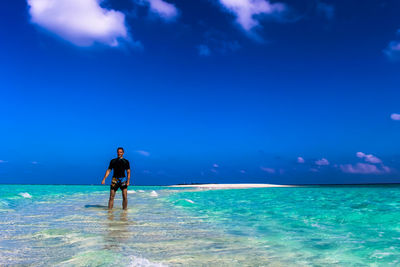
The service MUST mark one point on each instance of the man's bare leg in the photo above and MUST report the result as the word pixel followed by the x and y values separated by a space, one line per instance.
pixel 125 198
pixel 111 200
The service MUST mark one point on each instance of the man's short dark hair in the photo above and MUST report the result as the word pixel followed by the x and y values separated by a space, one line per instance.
pixel 120 148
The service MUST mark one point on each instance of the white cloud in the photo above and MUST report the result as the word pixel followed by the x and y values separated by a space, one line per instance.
pixel 165 10
pixel 374 165
pixel 34 162
pixel 215 165
pixel 364 168
pixel 143 153
pixel 322 162
pixel 395 117
pixel 248 12
pixel 3 161
pixel 368 157
pixel 300 160
pixel 81 22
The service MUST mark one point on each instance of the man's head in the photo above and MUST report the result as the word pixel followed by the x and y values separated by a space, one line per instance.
pixel 120 152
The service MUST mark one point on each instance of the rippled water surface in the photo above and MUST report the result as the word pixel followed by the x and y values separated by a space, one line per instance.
pixel 68 225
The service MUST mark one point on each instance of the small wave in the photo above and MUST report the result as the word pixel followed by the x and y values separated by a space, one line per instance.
pixel 142 262
pixel 153 194
pixel 25 195
pixel 3 203
pixel 131 191
pixel 4 206
pixel 189 200
pixel 380 255
pixel 141 191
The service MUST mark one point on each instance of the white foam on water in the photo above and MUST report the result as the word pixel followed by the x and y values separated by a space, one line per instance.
pixel 131 191
pixel 25 195
pixel 189 200
pixel 380 255
pixel 153 194
pixel 91 258
pixel 141 191
pixel 143 262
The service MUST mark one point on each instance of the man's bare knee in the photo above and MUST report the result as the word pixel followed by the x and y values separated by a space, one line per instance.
pixel 112 194
pixel 125 192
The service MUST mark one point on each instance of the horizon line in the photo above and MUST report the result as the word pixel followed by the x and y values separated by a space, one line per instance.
pixel 213 183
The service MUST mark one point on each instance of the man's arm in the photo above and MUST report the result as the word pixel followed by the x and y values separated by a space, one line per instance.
pixel 128 172
pixel 105 176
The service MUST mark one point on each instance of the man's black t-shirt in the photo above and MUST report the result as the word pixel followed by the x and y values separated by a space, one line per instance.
pixel 119 166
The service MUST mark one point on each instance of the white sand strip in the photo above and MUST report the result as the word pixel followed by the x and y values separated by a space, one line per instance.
pixel 232 186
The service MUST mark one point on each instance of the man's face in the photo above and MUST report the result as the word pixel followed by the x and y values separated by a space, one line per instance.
pixel 120 153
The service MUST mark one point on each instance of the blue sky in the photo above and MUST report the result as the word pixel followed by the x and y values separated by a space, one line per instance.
pixel 290 92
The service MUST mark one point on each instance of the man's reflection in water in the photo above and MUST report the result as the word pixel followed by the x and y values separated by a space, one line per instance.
pixel 117 232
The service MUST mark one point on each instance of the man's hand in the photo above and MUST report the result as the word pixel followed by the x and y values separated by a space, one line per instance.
pixel 127 183
pixel 105 176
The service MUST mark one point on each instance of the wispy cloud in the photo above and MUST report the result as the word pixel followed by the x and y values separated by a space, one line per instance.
pixel 3 161
pixel 82 23
pixel 143 153
pixel 322 162
pixel 215 165
pixel 249 12
pixel 166 11
pixel 395 117
pixel 392 51
pixel 242 171
pixel 268 170
pixel 217 42
pixel 203 50
pixel 364 168
pixel 326 10
pixel 34 162
pixel 300 160
pixel 368 157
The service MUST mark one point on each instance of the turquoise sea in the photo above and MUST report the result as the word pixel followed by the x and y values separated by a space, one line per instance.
pixel 69 225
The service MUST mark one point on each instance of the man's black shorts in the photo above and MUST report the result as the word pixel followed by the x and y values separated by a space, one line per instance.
pixel 119 183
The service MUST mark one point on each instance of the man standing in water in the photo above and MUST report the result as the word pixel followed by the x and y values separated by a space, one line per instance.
pixel 119 180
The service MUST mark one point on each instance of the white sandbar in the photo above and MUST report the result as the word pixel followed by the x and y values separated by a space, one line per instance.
pixel 232 186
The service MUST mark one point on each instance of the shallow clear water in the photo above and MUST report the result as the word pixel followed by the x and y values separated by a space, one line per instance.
pixel 56 225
